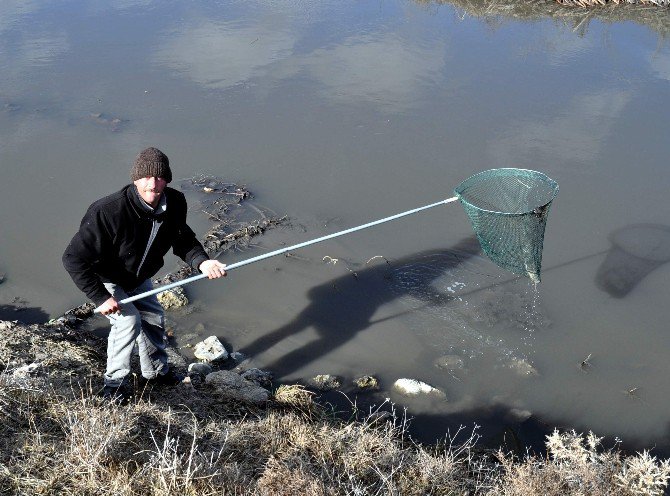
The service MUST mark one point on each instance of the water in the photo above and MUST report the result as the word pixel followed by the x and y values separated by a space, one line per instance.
pixel 338 113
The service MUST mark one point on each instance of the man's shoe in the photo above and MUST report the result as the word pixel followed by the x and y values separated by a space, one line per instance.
pixel 118 395
pixel 171 378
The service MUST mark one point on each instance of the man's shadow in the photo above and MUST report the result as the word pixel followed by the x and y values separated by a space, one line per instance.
pixel 341 308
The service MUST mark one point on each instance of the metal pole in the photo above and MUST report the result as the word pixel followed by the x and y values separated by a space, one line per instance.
pixel 287 249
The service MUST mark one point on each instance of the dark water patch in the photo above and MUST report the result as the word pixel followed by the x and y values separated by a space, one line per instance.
pixel 636 251
pixel 341 308
pixel 20 310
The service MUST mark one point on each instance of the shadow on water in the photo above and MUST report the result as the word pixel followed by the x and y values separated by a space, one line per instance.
pixel 637 250
pixel 343 307
pixel 25 314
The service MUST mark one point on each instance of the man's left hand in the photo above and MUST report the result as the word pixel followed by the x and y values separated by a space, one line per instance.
pixel 213 269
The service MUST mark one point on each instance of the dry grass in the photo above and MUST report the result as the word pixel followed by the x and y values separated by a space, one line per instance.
pixel 572 13
pixel 58 438
pixel 579 465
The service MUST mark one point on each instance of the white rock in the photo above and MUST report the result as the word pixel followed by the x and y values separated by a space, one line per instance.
pixel 210 350
pixel 26 371
pixel 519 414
pixel 522 367
pixel 412 387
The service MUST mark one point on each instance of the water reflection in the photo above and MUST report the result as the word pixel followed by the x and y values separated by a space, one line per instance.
pixel 383 69
pixel 576 134
pixel 222 55
pixel 341 308
pixel 636 251
pixel 660 64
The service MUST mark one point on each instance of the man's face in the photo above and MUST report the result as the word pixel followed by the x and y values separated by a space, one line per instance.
pixel 151 189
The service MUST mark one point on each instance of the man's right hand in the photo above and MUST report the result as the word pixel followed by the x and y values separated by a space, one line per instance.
pixel 109 307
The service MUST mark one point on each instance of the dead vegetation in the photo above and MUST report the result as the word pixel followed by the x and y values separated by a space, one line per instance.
pixel 58 437
pixel 575 14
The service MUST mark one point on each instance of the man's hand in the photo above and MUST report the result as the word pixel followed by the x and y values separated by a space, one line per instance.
pixel 213 269
pixel 109 307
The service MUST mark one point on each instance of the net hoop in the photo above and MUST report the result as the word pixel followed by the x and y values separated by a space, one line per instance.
pixel 462 188
pixel 508 210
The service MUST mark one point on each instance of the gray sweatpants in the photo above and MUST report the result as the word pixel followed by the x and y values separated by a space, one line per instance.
pixel 141 322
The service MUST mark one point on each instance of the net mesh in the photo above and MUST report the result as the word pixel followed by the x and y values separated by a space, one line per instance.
pixel 508 210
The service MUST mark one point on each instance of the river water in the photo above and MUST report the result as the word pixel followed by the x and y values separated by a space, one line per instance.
pixel 336 113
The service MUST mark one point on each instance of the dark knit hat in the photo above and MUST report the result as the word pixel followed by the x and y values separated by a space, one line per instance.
pixel 151 162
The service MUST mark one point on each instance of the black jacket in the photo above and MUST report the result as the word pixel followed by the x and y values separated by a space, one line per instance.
pixel 113 237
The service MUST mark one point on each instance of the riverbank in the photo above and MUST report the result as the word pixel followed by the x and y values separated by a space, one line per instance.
pixel 58 437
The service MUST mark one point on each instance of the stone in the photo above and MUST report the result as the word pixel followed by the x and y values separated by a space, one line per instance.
pixel 26 371
pixel 449 362
pixel 199 368
pixel 259 377
pixel 522 367
pixel 233 386
pixel 519 414
pixel 238 357
pixel 412 387
pixel 326 382
pixel 210 350
pixel 366 382
pixel 172 298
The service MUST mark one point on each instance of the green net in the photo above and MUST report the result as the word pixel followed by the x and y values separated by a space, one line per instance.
pixel 508 210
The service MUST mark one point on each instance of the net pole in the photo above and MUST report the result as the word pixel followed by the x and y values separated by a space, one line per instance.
pixel 281 251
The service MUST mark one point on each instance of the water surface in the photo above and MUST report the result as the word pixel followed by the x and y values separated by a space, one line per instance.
pixel 338 113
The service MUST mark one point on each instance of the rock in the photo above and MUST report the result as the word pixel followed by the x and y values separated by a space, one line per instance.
pixel 238 356
pixel 114 123
pixel 173 298
pixel 26 371
pixel 325 382
pixel 233 386
pixel 449 362
pixel 210 350
pixel 199 368
pixel 412 387
pixel 522 367
pixel 2 278
pixel 366 382
pixel 175 359
pixel 258 377
pixel 519 414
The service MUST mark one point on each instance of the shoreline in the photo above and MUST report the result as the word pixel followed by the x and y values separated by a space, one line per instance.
pixel 58 436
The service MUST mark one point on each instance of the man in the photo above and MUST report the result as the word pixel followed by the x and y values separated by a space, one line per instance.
pixel 120 245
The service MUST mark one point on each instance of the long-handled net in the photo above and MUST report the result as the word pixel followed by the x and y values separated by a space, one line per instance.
pixel 508 210
pixel 507 207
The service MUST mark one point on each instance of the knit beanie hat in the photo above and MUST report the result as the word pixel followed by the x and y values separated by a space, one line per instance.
pixel 151 162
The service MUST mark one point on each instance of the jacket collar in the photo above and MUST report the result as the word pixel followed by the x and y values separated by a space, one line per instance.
pixel 142 208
